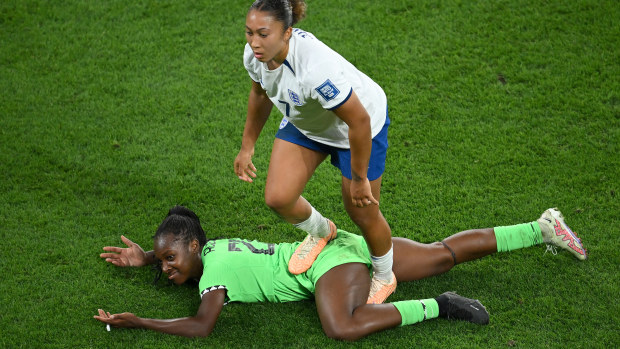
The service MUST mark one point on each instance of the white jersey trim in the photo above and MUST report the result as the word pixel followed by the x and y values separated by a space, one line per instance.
pixel 213 288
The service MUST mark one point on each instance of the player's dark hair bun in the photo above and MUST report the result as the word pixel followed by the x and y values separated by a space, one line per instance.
pixel 183 211
pixel 184 224
pixel 289 12
pixel 298 7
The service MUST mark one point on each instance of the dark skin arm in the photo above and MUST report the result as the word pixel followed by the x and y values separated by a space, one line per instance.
pixel 353 113
pixel 200 325
pixel 132 256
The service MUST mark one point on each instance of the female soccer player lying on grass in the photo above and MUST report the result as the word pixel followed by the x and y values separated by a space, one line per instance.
pixel 236 270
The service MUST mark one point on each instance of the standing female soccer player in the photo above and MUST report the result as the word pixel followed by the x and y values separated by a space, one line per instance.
pixel 329 108
pixel 235 270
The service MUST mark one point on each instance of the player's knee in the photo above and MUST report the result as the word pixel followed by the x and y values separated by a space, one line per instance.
pixel 361 220
pixel 370 222
pixel 446 260
pixel 340 331
pixel 277 201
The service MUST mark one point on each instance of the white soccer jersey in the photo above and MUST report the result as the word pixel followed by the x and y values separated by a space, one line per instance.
pixel 312 81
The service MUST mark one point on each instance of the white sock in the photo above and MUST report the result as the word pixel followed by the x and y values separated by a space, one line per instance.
pixel 316 225
pixel 382 266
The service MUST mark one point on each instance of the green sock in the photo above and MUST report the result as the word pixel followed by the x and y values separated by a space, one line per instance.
pixel 414 311
pixel 518 236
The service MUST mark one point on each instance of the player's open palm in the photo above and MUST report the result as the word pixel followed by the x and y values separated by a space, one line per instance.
pixel 117 320
pixel 132 256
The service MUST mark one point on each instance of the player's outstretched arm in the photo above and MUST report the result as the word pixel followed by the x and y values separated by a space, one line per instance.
pixel 259 108
pixel 200 325
pixel 132 256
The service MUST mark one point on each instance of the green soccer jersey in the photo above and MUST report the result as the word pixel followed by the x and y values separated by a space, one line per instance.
pixel 253 271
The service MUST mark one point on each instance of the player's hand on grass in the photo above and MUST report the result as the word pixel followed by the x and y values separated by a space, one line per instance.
pixel 132 256
pixel 244 168
pixel 127 320
pixel 361 193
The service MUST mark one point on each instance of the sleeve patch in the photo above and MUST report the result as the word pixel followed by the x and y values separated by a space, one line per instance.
pixel 213 288
pixel 328 90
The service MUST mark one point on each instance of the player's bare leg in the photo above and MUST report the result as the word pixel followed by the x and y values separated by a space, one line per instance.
pixel 378 236
pixel 414 260
pixel 341 296
pixel 341 304
pixel 290 168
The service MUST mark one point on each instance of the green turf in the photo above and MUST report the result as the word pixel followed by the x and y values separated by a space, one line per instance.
pixel 111 112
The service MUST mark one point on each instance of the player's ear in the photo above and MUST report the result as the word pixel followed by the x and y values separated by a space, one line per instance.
pixel 288 33
pixel 194 246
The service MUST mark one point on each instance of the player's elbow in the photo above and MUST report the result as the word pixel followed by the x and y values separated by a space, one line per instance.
pixel 199 329
pixel 202 332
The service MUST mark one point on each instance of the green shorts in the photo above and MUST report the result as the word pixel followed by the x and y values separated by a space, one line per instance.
pixel 347 248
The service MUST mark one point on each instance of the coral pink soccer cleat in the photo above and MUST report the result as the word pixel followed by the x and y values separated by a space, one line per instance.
pixel 380 290
pixel 306 253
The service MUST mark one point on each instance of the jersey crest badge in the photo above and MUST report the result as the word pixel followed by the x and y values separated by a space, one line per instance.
pixel 295 98
pixel 283 123
pixel 327 90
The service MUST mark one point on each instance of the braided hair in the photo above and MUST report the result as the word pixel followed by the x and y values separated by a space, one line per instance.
pixel 184 224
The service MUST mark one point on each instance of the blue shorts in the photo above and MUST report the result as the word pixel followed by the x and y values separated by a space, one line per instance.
pixel 340 157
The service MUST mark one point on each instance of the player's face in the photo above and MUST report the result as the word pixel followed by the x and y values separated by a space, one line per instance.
pixel 267 37
pixel 179 260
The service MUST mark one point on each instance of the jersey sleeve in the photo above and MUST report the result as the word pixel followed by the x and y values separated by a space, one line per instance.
pixel 250 63
pixel 213 288
pixel 213 279
pixel 328 85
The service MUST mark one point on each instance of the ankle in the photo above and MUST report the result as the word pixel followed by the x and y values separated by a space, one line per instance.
pixel 442 302
pixel 382 265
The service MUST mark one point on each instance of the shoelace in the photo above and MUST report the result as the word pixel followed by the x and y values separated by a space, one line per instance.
pixel 552 249
pixel 377 285
pixel 306 246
